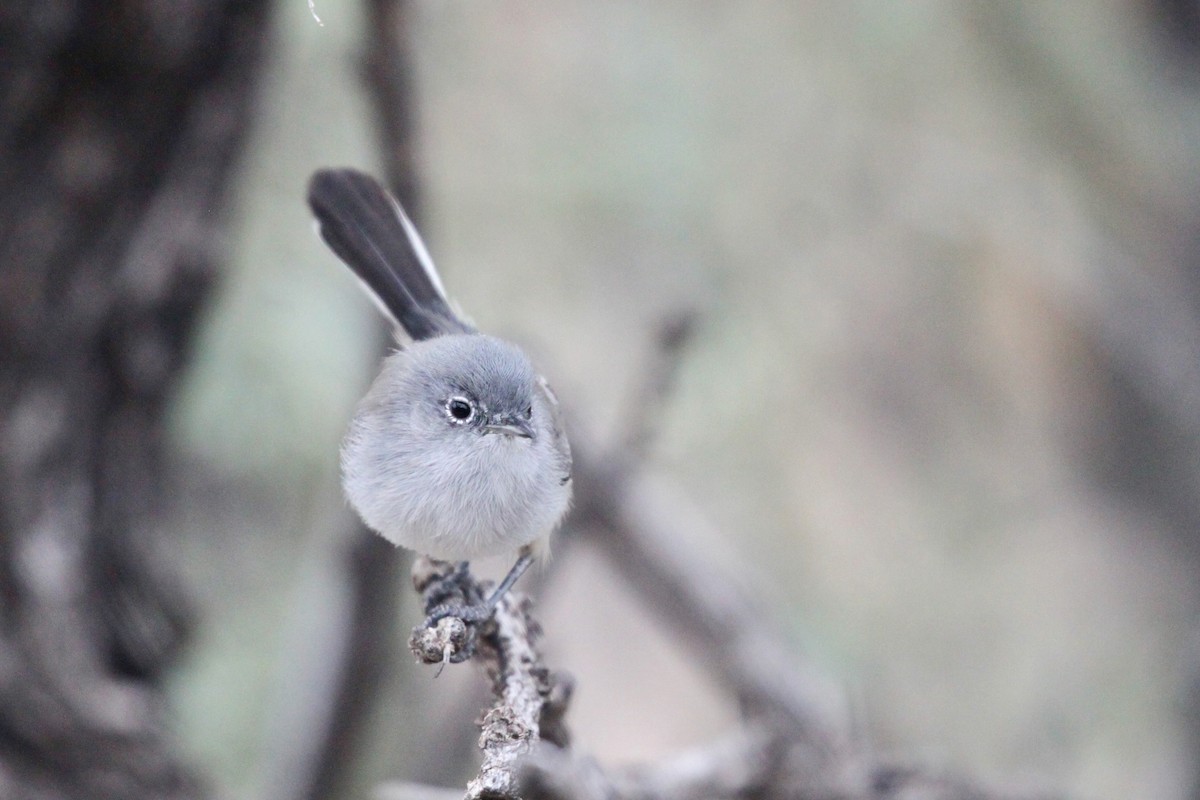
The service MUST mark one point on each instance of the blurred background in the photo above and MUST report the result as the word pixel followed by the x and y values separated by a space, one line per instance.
pixel 943 403
pixel 905 226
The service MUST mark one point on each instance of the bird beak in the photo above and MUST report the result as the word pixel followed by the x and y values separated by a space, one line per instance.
pixel 511 427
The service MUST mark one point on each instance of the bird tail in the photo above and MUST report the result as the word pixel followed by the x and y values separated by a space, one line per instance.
pixel 364 225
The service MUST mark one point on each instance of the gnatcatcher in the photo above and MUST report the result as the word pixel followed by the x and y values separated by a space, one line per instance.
pixel 458 449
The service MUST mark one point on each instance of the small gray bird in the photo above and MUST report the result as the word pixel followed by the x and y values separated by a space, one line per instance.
pixel 458 449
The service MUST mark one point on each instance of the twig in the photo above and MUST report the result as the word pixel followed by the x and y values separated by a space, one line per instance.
pixel 527 697
pixel 448 743
pixel 647 539
pixel 734 766
pixel 658 382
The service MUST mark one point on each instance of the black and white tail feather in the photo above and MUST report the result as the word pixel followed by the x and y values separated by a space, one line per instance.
pixel 368 230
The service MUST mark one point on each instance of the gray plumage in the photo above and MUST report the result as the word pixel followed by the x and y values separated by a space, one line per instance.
pixel 458 450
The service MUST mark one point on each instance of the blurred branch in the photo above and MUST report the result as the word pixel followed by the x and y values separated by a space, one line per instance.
pixel 316 757
pixel 754 762
pixel 321 762
pixel 795 742
pixel 648 539
pixel 388 74
pixel 736 766
pixel 658 382
pixel 1133 147
pixel 1140 294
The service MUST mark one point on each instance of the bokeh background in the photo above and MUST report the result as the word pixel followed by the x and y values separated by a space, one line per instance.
pixel 942 404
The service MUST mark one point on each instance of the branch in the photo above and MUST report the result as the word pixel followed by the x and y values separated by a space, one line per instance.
pixel 753 762
pixel 529 701
pixel 648 539
pixel 651 541
pixel 730 768
pixel 520 685
pixel 797 742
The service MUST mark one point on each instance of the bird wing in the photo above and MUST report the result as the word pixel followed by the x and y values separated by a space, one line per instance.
pixel 561 446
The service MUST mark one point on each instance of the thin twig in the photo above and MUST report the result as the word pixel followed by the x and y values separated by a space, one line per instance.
pixel 658 383
pixel 647 538
pixel 449 744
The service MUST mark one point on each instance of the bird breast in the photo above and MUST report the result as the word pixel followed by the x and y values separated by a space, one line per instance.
pixel 451 494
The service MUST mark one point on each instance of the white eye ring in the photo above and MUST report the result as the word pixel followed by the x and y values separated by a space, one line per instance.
pixel 460 410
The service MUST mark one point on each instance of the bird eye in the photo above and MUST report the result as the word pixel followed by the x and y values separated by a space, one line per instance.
pixel 460 409
pixel 529 411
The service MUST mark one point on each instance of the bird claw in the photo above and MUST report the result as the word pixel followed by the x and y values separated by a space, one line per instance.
pixel 473 614
pixel 455 608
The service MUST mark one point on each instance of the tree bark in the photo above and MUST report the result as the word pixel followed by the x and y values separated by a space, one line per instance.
pixel 119 126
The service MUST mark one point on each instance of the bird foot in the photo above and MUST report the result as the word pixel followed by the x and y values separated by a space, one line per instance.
pixel 472 614
pixel 455 607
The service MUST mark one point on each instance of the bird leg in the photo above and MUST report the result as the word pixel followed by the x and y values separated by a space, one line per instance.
pixel 457 584
pixel 518 569
pixel 455 608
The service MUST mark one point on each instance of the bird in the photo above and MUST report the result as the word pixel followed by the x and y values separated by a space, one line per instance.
pixel 458 449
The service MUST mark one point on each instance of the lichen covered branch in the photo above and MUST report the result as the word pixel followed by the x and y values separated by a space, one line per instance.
pixel 528 700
